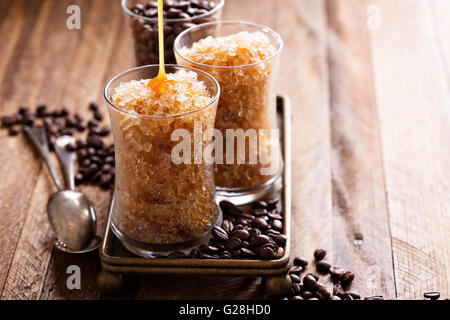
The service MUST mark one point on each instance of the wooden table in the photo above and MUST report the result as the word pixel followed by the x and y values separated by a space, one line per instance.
pixel 371 139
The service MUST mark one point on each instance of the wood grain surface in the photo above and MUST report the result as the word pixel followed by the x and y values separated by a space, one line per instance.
pixel 371 112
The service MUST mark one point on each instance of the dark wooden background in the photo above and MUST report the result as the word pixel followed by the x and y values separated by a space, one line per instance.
pixel 371 150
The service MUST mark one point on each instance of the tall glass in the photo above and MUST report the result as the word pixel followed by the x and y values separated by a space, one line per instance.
pixel 247 102
pixel 160 205
pixel 144 29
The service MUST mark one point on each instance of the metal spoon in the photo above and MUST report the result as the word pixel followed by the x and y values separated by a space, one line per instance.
pixel 70 213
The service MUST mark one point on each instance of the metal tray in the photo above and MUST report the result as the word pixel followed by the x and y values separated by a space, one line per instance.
pixel 116 261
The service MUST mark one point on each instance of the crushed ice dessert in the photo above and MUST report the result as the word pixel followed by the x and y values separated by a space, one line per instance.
pixel 156 200
pixel 242 64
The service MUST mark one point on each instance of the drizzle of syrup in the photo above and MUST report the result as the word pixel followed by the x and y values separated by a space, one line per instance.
pixel 160 83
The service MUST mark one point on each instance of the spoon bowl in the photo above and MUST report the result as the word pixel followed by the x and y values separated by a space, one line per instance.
pixel 72 218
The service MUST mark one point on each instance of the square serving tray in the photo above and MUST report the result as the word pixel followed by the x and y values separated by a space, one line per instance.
pixel 117 261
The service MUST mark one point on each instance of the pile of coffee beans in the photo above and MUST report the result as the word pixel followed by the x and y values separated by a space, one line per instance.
pixel 145 29
pixel 310 288
pixel 256 234
pixel 95 158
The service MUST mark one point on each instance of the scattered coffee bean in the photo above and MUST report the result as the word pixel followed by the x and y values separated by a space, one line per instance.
pixel 323 267
pixel 347 278
pixel 432 295
pixel 319 254
pixel 300 262
pixel 310 283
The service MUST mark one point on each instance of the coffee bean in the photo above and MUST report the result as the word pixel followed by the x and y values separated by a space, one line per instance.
pixel 233 243
pixel 259 212
pixel 319 254
pixel 247 253
pixel 93 106
pixel 277 225
pixel 336 273
pixel 272 203
pixel 227 226
pixel 267 252
pixel 203 255
pixel 105 181
pixel 229 208
pixel 323 267
pixel 296 288
pixel 295 278
pixel 110 160
pixel 274 216
pixel 279 253
pixel 310 283
pixel 13 131
pixel 259 241
pixel 307 295
pixel 41 110
pixel 236 254
pixel 95 142
pixel 272 233
pixel 260 224
pixel 322 292
pixel 280 239
pixel 226 255
pixel 432 295
pixel 98 116
pixel 245 244
pixel 301 262
pixel 241 234
pixel 260 205
pixel 347 278
pixel 8 121
pixel 253 232
pixel 219 234
pixel 296 270
pixel 79 179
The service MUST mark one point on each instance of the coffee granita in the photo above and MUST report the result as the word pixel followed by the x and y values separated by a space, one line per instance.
pixel 242 65
pixel 156 200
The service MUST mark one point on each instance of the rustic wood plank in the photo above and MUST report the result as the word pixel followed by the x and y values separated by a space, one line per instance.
pixel 18 161
pixel 85 84
pixel 49 36
pixel 304 77
pixel 361 236
pixel 412 86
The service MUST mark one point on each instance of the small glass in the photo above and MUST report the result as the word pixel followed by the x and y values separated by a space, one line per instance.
pixel 247 101
pixel 144 30
pixel 160 206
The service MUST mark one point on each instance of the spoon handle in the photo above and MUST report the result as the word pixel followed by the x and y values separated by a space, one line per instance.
pixel 38 136
pixel 66 158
